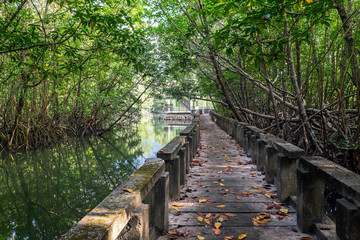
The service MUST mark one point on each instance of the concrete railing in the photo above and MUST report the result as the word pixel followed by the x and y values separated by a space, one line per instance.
pixel 138 208
pixel 301 180
pixel 178 155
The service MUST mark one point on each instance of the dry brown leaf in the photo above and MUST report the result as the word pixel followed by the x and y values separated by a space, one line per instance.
pixel 128 190
pixel 230 214
pixel 200 237
pixel 242 236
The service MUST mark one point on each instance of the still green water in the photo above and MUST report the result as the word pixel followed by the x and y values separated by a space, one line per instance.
pixel 42 194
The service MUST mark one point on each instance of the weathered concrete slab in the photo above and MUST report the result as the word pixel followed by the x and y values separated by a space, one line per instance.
pixel 172 148
pixel 241 219
pixel 253 233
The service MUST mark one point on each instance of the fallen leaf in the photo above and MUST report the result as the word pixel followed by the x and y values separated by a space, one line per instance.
pixel 200 237
pixel 238 197
pixel 177 213
pixel 221 206
pixel 242 236
pixel 325 228
pixel 178 205
pixel 229 237
pixel 175 208
pixel 225 218
pixel 161 150
pixel 202 200
pixel 88 209
pixel 284 210
pixel 220 219
pixel 230 214
pixel 172 232
pixel 208 215
pixel 207 221
pixel 201 213
pixel 217 231
pixel 128 190
pixel 217 225
pixel 200 219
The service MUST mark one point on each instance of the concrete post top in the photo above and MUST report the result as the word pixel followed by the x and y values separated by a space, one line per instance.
pixel 188 130
pixel 172 148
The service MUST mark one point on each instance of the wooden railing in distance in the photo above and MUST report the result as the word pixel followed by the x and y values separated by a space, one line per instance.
pixel 301 180
pixel 138 208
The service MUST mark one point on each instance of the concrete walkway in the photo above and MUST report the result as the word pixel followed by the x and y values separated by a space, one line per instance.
pixel 224 187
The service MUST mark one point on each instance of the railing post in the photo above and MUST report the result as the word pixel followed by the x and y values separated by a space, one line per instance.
pixel 187 155
pixel 310 200
pixel 286 176
pixel 161 200
pixel 347 220
pixel 249 143
pixel 255 148
pixel 270 163
pixel 261 158
pixel 182 159
pixel 139 225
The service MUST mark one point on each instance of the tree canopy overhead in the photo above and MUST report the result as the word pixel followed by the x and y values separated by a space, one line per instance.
pixel 81 67
pixel 289 67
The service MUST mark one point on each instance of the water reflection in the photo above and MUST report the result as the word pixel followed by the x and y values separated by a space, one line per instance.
pixel 44 193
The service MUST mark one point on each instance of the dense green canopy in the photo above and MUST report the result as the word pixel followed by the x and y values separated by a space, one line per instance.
pixel 81 67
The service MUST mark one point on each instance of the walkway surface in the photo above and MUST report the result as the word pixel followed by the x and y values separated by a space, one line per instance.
pixel 226 198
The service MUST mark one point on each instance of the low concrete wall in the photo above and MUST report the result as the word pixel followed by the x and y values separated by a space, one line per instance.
pixel 301 180
pixel 138 208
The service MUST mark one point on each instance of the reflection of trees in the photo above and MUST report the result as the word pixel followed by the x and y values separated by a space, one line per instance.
pixel 44 193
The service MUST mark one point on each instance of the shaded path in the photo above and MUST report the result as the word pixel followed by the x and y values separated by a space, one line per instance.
pixel 223 186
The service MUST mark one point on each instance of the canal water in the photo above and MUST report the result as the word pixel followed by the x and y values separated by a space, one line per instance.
pixel 42 194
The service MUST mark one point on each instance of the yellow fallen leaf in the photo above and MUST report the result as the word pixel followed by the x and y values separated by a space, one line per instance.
pixel 172 232
pixel 221 184
pixel 284 210
pixel 207 221
pixel 268 195
pixel 215 182
pixel 202 200
pixel 200 219
pixel 309 1
pixel 175 208
pixel 178 205
pixel 229 237
pixel 208 215
pixel 128 190
pixel 242 236
pixel 88 209
pixel 200 237
pixel 221 206
pixel 217 225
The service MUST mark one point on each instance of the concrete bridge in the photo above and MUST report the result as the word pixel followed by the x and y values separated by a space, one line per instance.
pixel 221 179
